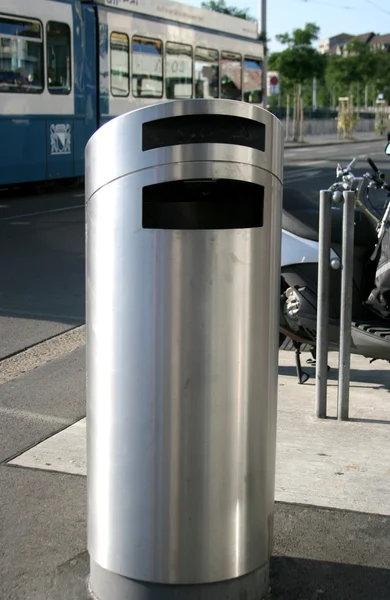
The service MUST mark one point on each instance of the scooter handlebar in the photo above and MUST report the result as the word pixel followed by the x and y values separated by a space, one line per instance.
pixel 372 165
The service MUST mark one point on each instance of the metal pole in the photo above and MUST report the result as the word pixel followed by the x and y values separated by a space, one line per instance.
pixel 300 114
pixel 287 136
pixel 263 32
pixel 314 93
pixel 324 234
pixel 294 124
pixel 346 305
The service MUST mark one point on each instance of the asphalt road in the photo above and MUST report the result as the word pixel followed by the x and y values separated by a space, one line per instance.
pixel 311 169
pixel 42 268
pixel 42 290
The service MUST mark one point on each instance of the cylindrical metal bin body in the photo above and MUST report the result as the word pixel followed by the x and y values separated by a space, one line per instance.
pixel 182 340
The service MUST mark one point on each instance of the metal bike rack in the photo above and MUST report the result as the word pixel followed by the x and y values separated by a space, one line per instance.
pixel 324 268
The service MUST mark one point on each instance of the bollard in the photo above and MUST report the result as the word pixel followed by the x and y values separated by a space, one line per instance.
pixel 183 274
pixel 348 234
pixel 324 237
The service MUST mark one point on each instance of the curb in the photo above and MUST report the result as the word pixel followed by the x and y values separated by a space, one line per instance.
pixel 331 143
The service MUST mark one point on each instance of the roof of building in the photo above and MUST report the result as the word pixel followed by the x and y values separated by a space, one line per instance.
pixel 381 39
pixel 365 37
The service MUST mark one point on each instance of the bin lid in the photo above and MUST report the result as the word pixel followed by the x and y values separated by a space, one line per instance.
pixel 184 131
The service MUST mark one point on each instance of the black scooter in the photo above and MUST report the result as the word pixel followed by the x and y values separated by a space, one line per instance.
pixel 370 327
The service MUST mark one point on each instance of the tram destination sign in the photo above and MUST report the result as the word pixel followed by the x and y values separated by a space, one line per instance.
pixel 190 15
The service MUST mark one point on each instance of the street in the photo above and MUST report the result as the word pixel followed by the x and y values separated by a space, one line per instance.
pixel 42 371
pixel 42 246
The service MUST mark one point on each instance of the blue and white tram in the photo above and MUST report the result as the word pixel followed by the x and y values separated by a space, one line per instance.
pixel 68 66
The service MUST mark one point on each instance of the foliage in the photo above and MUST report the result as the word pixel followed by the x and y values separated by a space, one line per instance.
pixel 221 7
pixel 347 121
pixel 300 37
pixel 349 75
pixel 299 62
pixel 359 68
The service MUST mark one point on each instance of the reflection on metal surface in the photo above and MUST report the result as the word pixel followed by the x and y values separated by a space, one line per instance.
pixel 182 348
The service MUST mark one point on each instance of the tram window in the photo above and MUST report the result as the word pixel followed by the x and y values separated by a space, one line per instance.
pixel 206 73
pixel 58 58
pixel 178 70
pixel 21 56
pixel 231 76
pixel 120 81
pixel 253 80
pixel 147 72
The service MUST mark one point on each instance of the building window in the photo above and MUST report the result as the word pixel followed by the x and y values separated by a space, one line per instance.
pixel 178 70
pixel 253 80
pixel 59 73
pixel 147 71
pixel 120 79
pixel 21 56
pixel 206 73
pixel 231 76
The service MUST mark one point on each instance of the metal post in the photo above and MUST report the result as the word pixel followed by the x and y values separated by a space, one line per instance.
pixel 325 226
pixel 287 136
pixel 263 32
pixel 300 114
pixel 346 305
pixel 294 124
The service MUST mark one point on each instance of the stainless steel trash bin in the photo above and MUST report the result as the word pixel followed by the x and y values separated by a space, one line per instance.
pixel 183 262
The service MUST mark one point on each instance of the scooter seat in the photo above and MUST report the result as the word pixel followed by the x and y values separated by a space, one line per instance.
pixel 301 217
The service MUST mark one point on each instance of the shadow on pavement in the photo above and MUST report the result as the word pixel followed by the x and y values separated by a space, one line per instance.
pixel 378 378
pixel 304 579
pixel 42 265
pixel 290 579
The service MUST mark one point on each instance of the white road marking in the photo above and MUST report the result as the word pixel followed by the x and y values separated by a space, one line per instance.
pixel 78 195
pixel 43 212
pixel 296 177
pixel 4 206
pixel 303 150
pixel 26 414
pixel 326 150
pixel 314 163
pixel 21 223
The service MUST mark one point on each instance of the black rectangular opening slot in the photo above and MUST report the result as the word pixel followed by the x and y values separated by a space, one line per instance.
pixel 203 204
pixel 203 129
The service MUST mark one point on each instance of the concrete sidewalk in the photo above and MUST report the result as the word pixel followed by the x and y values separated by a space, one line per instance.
pixel 330 140
pixel 332 516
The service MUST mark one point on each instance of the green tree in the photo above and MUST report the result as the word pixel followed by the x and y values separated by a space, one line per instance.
pixel 300 37
pixel 221 7
pixel 299 62
pixel 382 73
pixel 297 65
pixel 349 75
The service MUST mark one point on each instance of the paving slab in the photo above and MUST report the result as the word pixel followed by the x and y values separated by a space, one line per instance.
pixel 324 462
pixel 40 403
pixel 42 525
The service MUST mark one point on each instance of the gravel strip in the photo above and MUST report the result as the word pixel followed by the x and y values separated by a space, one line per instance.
pixel 42 353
